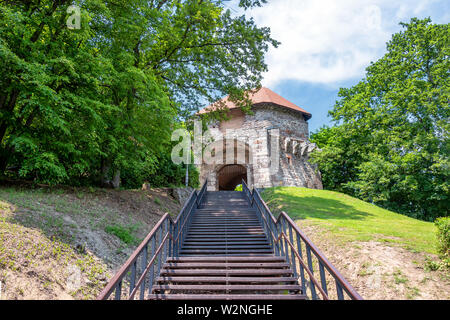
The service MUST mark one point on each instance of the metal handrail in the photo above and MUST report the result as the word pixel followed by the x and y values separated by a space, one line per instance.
pixel 281 232
pixel 168 230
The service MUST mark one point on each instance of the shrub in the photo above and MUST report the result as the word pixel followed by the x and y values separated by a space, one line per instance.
pixel 443 235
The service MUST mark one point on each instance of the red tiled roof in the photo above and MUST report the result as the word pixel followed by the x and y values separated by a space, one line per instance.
pixel 264 95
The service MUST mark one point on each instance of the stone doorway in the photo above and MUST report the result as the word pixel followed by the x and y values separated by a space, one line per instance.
pixel 230 176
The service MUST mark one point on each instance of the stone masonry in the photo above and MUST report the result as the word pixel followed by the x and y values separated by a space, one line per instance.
pixel 253 138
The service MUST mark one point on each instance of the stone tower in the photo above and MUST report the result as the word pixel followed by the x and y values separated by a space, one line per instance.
pixel 267 148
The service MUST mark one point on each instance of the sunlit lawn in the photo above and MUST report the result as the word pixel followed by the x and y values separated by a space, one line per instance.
pixel 350 219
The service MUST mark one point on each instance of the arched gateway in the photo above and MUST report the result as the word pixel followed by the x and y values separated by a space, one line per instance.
pixel 230 176
pixel 267 148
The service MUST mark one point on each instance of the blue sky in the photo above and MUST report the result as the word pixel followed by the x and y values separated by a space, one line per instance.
pixel 327 44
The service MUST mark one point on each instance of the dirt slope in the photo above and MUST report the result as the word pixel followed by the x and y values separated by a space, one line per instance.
pixel 66 243
pixel 382 270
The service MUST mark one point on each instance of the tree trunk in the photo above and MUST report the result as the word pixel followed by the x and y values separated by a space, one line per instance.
pixel 3 163
pixel 116 180
pixel 104 179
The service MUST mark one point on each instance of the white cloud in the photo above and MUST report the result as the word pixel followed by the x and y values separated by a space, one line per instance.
pixel 329 41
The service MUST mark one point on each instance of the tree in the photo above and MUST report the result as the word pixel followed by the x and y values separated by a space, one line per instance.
pixel 97 103
pixel 390 142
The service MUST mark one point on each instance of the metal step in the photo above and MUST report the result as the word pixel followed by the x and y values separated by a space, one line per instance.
pixel 215 265
pixel 227 259
pixel 226 297
pixel 229 280
pixel 228 287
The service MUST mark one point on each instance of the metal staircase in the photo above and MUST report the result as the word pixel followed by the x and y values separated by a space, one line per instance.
pixel 226 255
pixel 227 245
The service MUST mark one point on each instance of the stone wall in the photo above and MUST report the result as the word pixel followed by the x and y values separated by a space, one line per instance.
pixel 253 132
pixel 182 194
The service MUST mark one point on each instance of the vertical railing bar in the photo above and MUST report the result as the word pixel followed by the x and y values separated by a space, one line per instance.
pixel 286 246
pixel 118 293
pixel 323 279
pixel 277 246
pixel 302 271
pixel 340 294
pixel 310 266
pixel 164 248
pixel 270 227
pixel 280 240
pixel 152 269
pixel 169 253
pixel 293 257
pixel 176 248
pixel 144 265
pixel 160 251
pixel 133 275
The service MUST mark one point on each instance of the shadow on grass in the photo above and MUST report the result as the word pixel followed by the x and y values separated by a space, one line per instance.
pixel 303 207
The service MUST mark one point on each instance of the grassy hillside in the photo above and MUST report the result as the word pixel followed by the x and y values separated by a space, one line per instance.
pixel 65 243
pixel 384 255
pixel 350 219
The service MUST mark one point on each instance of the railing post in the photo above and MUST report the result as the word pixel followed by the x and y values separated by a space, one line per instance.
pixel 310 266
pixel 323 279
pixel 270 235
pixel 169 249
pixel 280 240
pixel 175 249
pixel 302 271
pixel 291 238
pixel 284 231
pixel 143 265
pixel 274 231
pixel 118 293
pixel 339 291
pixel 160 252
pixel 133 276
pixel 164 248
pixel 152 268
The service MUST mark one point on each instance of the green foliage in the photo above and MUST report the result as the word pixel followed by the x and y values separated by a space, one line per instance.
pixel 390 142
pixel 443 236
pixel 170 174
pixel 123 233
pixel 97 105
pixel 432 265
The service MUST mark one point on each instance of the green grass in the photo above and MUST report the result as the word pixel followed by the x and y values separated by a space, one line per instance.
pixel 350 219
pixel 123 233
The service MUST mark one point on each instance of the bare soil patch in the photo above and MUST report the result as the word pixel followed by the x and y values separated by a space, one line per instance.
pixel 382 270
